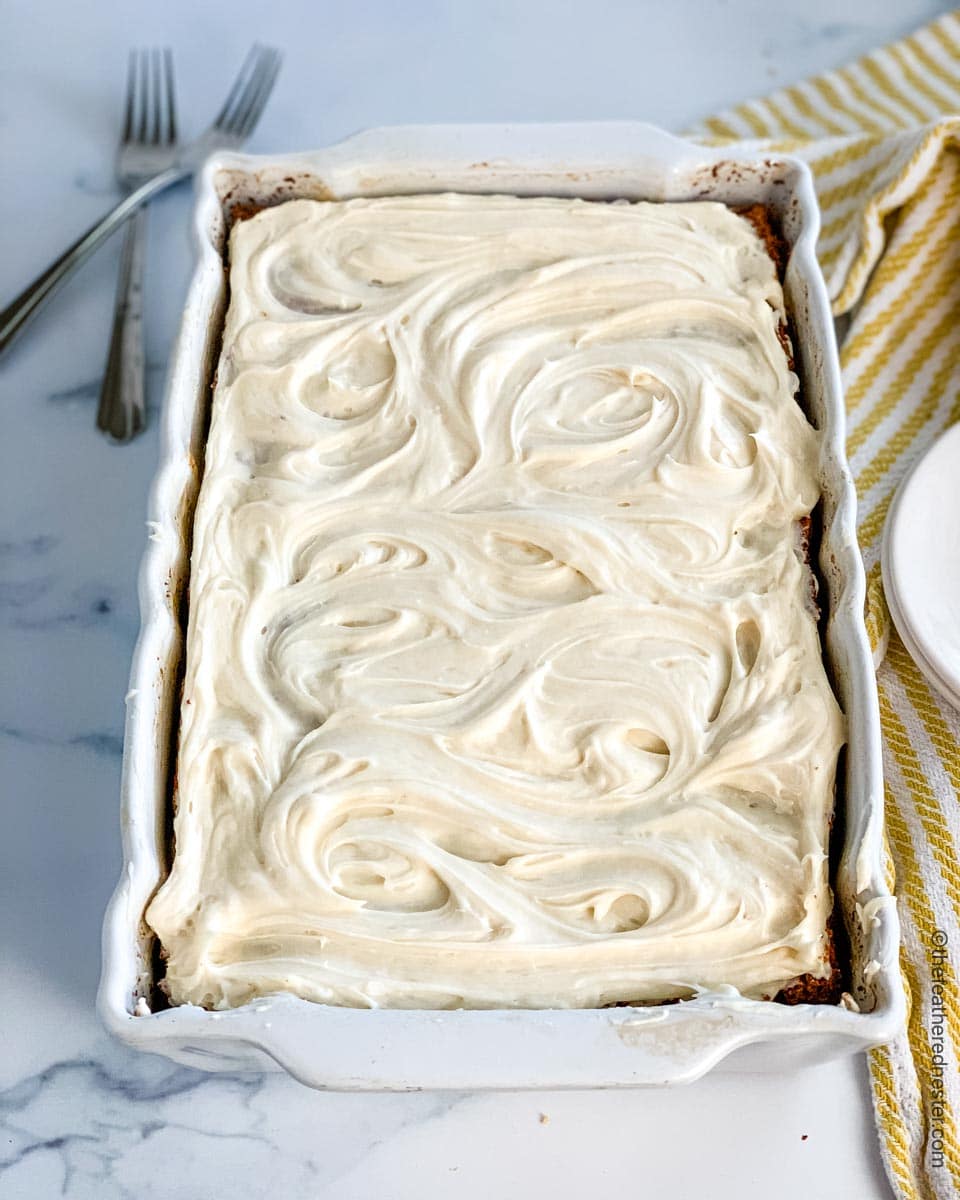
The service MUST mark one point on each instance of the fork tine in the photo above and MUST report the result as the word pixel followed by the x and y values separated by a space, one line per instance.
pixel 254 83
pixel 143 93
pixel 131 96
pixel 157 95
pixel 240 83
pixel 261 95
pixel 171 98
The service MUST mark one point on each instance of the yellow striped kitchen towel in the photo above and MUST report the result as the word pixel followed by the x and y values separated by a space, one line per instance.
pixel 883 138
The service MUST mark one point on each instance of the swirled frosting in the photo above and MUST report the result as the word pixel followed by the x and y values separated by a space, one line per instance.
pixel 502 683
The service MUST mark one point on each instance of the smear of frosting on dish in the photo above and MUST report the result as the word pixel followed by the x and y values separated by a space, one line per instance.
pixel 502 684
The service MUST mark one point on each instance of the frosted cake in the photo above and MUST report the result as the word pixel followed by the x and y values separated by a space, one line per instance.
pixel 503 683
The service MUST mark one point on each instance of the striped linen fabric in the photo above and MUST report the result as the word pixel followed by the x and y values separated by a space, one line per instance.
pixel 883 139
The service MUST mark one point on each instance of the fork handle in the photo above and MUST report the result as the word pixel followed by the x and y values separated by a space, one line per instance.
pixel 122 410
pixel 23 307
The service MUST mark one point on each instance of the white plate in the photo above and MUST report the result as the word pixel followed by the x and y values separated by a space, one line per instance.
pixel 920 561
pixel 378 1049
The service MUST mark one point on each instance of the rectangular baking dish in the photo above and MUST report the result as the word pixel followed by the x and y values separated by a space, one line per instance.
pixel 378 1049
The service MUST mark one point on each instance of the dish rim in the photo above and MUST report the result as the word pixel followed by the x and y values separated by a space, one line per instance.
pixel 376 1049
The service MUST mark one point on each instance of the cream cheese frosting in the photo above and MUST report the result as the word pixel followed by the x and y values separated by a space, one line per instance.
pixel 503 688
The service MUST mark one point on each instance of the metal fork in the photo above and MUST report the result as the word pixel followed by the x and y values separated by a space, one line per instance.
pixel 233 124
pixel 147 147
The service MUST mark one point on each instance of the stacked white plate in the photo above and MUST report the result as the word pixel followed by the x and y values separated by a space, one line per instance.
pixel 921 564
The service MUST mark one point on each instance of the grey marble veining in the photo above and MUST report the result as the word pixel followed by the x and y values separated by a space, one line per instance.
pixel 106 1122
pixel 80 1116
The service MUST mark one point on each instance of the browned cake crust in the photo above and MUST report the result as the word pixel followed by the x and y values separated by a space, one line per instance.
pixel 243 212
pixel 806 989
pixel 769 233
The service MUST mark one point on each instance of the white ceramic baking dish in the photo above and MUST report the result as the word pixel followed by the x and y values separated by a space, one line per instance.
pixel 377 1049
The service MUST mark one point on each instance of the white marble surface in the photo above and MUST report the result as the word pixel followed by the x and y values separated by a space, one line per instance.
pixel 79 1115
